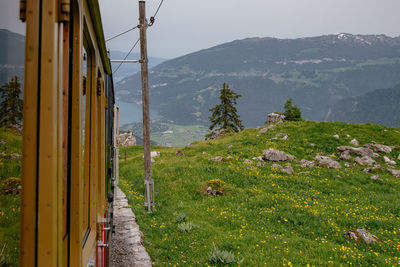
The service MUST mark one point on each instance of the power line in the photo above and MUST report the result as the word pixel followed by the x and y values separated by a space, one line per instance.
pixel 109 39
pixel 127 55
pixel 153 18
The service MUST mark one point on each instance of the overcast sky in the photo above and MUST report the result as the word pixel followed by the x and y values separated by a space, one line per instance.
pixel 185 26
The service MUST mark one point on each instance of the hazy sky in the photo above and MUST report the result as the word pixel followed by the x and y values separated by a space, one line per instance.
pixel 185 26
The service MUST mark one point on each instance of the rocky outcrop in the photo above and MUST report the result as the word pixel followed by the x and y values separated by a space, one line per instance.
pixel 389 160
pixel 361 151
pixel 306 163
pixel 276 155
pixel 379 148
pixel 324 161
pixel 275 118
pixel 287 169
pixel 362 235
pixel 395 173
pixel 365 160
pixel 126 139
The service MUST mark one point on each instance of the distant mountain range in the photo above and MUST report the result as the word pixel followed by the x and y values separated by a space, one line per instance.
pixel 379 107
pixel 316 72
pixel 12 55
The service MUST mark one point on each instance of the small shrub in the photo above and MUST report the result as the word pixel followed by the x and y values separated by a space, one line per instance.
pixel 216 184
pixel 180 217
pixel 11 185
pixel 223 257
pixel 187 226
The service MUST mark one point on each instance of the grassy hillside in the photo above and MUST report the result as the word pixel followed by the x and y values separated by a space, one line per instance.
pixel 267 217
pixel 10 143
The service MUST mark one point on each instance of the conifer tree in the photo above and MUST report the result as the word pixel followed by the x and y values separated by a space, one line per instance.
pixel 292 112
pixel 224 116
pixel 11 104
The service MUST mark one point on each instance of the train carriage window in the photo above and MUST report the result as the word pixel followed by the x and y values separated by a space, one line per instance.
pixel 86 91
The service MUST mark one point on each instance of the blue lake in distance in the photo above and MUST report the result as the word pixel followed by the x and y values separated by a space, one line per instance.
pixel 131 112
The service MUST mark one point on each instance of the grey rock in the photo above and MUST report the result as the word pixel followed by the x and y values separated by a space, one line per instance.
pixel 229 146
pixel 362 235
pixel 389 160
pixel 355 142
pixel 263 130
pixel 259 158
pixel 379 148
pixel 347 165
pixel 345 155
pixel 336 136
pixel 327 162
pixel 204 153
pixel 348 136
pixel 361 151
pixel 367 170
pixel 247 161
pixel 276 166
pixel 287 169
pixel 155 154
pixel 375 177
pixel 218 159
pixel 306 163
pixel 275 118
pixel 126 139
pixel 365 160
pixel 218 134
pixel 312 144
pixel 395 173
pixel 276 155
pixel 261 163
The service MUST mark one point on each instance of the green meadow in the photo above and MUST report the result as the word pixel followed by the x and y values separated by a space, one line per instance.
pixel 265 217
pixel 10 174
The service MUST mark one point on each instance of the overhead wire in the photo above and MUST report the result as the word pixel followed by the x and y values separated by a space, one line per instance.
pixel 118 35
pixel 127 55
pixel 153 18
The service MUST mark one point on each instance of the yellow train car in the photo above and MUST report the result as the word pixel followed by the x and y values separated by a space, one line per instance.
pixel 69 153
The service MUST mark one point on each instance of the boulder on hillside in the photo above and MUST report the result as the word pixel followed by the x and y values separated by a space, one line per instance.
pixel 361 151
pixel 375 177
pixel 218 159
pixel 362 235
pixel 306 163
pixel 365 160
pixel 126 139
pixel 355 142
pixel 389 160
pixel 276 155
pixel 379 148
pixel 276 166
pixel 287 169
pixel 284 136
pixel 219 133
pixel 395 173
pixel 345 155
pixel 325 161
pixel 275 118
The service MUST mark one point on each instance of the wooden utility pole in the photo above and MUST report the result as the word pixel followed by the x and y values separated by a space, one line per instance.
pixel 149 184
